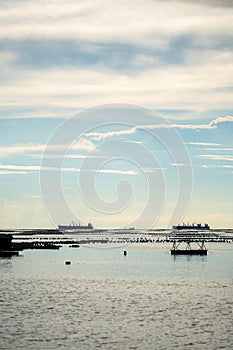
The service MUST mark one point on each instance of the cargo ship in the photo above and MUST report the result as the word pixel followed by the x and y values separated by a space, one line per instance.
pixel 194 226
pixel 73 226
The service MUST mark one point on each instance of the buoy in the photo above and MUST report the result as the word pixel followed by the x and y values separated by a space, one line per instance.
pixel 68 262
pixel 125 252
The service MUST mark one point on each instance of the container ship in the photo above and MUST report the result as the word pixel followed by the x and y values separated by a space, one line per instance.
pixel 73 226
pixel 196 227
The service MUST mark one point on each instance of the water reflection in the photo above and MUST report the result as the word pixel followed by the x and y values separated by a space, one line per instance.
pixel 5 264
pixel 189 258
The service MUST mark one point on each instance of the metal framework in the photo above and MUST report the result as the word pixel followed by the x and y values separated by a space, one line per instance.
pixel 188 250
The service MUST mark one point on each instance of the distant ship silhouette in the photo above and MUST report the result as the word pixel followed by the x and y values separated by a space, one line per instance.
pixel 191 227
pixel 74 226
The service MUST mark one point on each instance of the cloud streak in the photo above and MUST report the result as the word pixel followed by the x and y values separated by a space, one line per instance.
pixel 221 120
pixel 8 151
pixel 210 144
pixel 6 169
pixel 210 166
pixel 179 164
pixel 12 172
pixel 102 136
pixel 210 126
pixel 216 157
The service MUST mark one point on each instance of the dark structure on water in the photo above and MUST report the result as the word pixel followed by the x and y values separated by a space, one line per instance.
pixel 189 242
pixel 188 250
pixel 6 246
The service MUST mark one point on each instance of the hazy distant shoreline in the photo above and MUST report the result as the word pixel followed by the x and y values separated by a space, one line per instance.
pixel 160 231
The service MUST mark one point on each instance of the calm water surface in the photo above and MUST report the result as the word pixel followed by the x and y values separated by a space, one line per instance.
pixel 105 300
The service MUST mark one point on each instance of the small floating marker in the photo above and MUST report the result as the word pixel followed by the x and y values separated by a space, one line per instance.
pixel 125 252
pixel 67 262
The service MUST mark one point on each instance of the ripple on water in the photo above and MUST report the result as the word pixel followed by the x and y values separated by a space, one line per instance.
pixel 68 313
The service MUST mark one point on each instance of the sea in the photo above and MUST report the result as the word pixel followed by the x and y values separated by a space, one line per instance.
pixel 106 299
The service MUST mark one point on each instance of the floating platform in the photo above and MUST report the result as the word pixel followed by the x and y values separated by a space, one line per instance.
pixel 189 251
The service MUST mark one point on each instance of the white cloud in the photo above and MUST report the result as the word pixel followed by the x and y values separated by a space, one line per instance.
pixel 225 149
pixel 204 144
pixel 33 196
pixel 101 136
pixel 212 125
pixel 197 84
pixel 10 172
pixel 178 126
pixel 220 3
pixel 9 151
pixel 12 167
pixel 66 156
pixel 36 114
pixel 82 144
pixel 216 157
pixel 6 169
pixel 179 164
pixel 108 21
pixel 209 166
pixel 153 170
pixel 110 171
pixel 85 144
pixel 221 120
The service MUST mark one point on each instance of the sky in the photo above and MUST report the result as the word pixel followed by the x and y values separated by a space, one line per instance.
pixel 116 113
